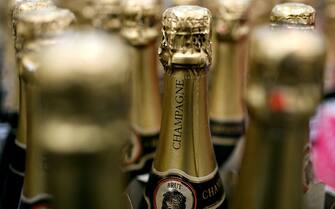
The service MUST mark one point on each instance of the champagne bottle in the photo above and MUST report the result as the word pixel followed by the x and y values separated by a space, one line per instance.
pixel 185 172
pixel 284 89
pixel 36 29
pixel 299 16
pixel 140 27
pixel 226 111
pixel 329 30
pixel 15 168
pixel 81 109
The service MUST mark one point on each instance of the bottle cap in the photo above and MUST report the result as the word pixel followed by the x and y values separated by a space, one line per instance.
pixel 186 37
pixel 44 22
pixel 231 19
pixel 140 24
pixel 293 14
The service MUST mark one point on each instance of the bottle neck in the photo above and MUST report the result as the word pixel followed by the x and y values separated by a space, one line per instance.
pixel 86 180
pixel 185 142
pixel 145 97
pixel 329 73
pixel 225 95
pixel 272 166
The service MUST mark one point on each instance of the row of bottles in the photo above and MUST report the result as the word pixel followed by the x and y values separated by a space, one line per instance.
pixel 233 127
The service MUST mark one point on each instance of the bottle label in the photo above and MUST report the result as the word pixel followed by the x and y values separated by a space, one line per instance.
pixel 39 202
pixel 176 189
pixel 225 136
pixel 232 131
pixel 18 160
pixel 140 151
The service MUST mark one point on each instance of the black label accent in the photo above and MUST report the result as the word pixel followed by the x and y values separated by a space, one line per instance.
pixel 227 129
pixel 18 159
pixel 14 180
pixel 176 191
pixel 43 202
pixel 225 136
pixel 140 152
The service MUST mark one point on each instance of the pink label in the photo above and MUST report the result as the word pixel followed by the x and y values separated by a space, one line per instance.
pixel 323 140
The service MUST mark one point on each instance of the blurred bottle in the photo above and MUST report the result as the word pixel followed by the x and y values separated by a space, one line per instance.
pixel 102 14
pixel 20 40
pixel 323 125
pixel 185 173
pixel 14 168
pixel 141 30
pixel 299 16
pixel 81 107
pixel 260 11
pixel 284 89
pixel 329 30
pixel 36 29
pixel 226 110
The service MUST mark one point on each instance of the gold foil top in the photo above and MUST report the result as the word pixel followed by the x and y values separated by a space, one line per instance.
pixel 43 23
pixel 101 13
pixel 84 10
pixel 30 5
pixel 140 22
pixel 286 74
pixel 293 14
pixel 83 76
pixel 108 15
pixel 231 19
pixel 186 37
pixel 185 2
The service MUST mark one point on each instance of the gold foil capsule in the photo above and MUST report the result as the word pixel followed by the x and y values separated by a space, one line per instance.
pixel 293 14
pixel 108 15
pixel 42 23
pixel 231 19
pixel 140 21
pixel 186 37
